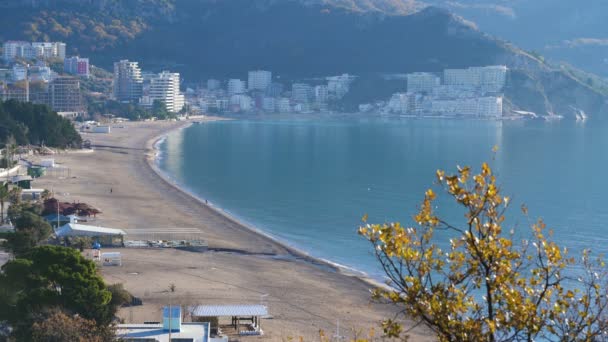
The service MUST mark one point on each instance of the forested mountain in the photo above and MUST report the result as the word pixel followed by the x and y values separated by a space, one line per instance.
pixel 295 39
pixel 574 31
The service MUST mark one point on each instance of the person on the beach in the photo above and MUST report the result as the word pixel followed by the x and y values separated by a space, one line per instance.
pixel 110 190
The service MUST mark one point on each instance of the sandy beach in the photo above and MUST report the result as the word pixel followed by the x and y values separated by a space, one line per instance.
pixel 241 266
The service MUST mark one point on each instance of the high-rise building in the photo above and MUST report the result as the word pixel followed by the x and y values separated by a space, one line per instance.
pixel 15 91
pixel 321 94
pixel 64 93
pixel 76 66
pixel 128 83
pixel 236 86
pixel 259 79
pixel 422 82
pixel 165 87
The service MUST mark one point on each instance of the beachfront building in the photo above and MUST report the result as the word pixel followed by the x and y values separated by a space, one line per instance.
pixel 18 72
pixel 422 82
pixel 76 66
pixel 268 104
pixel 301 92
pixel 164 87
pixel 489 79
pixel 338 86
pixel 259 80
pixel 102 235
pixel 236 86
pixel 321 94
pixel 283 105
pixel 172 328
pixel 128 82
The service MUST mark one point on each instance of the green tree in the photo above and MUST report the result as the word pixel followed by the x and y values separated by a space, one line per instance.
pixel 53 277
pixel 484 285
pixel 159 109
pixel 30 230
pixel 4 194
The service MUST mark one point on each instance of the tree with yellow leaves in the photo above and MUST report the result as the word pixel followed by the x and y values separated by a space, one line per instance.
pixel 486 285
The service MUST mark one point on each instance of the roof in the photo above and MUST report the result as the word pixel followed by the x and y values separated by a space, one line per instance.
pixel 54 217
pixel 229 310
pixel 198 332
pixel 75 229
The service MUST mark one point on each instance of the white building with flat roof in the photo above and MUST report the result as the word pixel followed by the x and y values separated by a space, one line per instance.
pixel 171 329
pixel 487 79
pixel 422 82
pixel 301 92
pixel 259 79
pixel 165 88
pixel 236 86
pixel 283 105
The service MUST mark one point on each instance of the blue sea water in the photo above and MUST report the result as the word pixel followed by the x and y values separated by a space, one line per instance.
pixel 308 181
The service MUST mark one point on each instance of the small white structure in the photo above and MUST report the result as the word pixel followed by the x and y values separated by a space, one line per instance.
pixel 47 163
pixel 111 259
pixel 172 325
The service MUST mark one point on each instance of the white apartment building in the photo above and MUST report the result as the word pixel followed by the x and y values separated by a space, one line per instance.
pixel 244 102
pixel 422 82
pixel 488 79
pixel 165 87
pixel 48 50
pixel 128 82
pixel 338 86
pixel 399 103
pixel 283 105
pixel 301 92
pixel 490 106
pixel 17 49
pixel 236 86
pixel 321 94
pixel 259 79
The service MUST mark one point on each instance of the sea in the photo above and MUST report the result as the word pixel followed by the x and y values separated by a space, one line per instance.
pixel 309 180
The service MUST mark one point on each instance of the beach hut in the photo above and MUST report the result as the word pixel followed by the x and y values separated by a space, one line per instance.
pixel 105 236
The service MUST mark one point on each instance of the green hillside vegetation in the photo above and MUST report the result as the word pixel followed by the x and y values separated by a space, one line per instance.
pixel 295 39
pixel 35 124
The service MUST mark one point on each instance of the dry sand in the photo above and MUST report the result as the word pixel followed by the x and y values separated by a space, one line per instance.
pixel 242 267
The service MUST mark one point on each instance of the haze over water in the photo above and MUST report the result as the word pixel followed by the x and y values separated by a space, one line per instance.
pixel 308 181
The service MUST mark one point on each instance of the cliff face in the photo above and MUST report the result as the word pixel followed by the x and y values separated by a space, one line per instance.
pixel 295 39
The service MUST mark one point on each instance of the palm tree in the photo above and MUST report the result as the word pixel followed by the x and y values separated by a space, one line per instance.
pixel 4 195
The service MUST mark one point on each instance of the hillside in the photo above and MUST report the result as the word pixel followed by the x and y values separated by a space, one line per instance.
pixel 295 39
pixel 567 30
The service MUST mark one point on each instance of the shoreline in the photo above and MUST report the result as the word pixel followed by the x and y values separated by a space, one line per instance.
pixel 152 156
